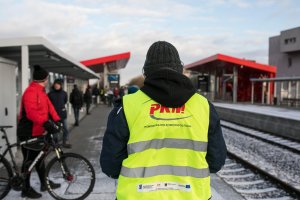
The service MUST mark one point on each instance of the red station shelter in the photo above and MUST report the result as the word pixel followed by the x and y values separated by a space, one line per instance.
pixel 228 78
pixel 108 67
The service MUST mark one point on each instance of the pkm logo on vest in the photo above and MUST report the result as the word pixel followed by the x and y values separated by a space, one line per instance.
pixel 157 108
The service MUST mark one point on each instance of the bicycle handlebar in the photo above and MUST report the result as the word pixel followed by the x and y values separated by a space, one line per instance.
pixel 44 138
pixel 6 126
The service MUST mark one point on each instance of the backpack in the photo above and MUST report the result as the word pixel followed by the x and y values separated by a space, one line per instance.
pixel 24 128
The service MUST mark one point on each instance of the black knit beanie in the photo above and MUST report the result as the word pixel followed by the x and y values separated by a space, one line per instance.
pixel 162 55
pixel 58 81
pixel 39 74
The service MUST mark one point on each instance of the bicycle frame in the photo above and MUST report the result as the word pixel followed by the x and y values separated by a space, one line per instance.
pixel 9 149
pixel 42 155
pixel 58 164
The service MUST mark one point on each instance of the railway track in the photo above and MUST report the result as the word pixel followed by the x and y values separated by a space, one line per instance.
pixel 285 143
pixel 254 182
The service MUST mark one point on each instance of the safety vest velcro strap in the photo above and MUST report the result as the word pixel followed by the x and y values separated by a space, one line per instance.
pixel 167 143
pixel 143 172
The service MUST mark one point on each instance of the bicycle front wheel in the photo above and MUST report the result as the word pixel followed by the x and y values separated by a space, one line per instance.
pixel 5 175
pixel 74 173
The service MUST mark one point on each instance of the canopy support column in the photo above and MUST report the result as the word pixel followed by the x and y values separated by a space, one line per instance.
pixel 269 93
pixel 252 92
pixel 263 93
pixel 235 83
pixel 24 68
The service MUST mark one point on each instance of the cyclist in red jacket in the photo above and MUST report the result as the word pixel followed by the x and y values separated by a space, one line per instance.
pixel 36 109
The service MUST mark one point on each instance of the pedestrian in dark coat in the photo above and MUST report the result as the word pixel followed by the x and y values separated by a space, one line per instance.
pixel 59 98
pixel 76 100
pixel 122 92
pixel 87 97
pixel 95 94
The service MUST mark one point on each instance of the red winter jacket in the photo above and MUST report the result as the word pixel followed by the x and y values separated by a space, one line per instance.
pixel 38 107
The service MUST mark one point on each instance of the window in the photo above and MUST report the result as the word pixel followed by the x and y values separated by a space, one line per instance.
pixel 286 41
pixel 290 62
pixel 290 40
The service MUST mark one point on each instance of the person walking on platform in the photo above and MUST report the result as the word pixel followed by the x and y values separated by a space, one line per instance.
pixel 59 98
pixel 163 141
pixel 87 97
pixel 110 97
pixel 102 95
pixel 95 94
pixel 36 110
pixel 77 101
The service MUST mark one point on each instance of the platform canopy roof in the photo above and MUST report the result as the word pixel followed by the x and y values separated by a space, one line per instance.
pixel 221 60
pixel 113 62
pixel 43 53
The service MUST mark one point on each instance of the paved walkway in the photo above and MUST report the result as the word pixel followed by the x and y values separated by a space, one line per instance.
pixel 87 141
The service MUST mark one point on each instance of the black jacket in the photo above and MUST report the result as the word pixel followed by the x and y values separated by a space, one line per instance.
pixel 87 97
pixel 76 98
pixel 59 98
pixel 170 89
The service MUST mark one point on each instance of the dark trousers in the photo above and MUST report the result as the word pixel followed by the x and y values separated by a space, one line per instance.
pixel 88 105
pixel 76 114
pixel 28 157
pixel 65 130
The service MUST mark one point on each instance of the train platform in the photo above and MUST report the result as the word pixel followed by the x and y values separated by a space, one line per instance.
pixel 287 113
pixel 274 120
pixel 87 141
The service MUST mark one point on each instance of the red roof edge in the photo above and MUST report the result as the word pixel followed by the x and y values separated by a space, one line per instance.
pixel 244 62
pixel 106 59
pixel 200 62
pixel 247 63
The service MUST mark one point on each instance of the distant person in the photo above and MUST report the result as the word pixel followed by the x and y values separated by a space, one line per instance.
pixel 110 97
pixel 102 95
pixel 116 93
pixel 95 94
pixel 87 97
pixel 133 89
pixel 163 141
pixel 122 92
pixel 36 110
pixel 59 98
pixel 77 102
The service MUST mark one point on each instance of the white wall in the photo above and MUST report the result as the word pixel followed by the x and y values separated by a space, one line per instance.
pixel 8 98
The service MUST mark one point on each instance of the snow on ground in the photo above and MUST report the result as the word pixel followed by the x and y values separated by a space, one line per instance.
pixel 104 189
pixel 279 162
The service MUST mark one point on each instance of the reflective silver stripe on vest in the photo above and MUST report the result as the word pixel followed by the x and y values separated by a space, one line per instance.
pixel 143 172
pixel 167 143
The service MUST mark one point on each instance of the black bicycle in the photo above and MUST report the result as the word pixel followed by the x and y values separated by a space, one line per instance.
pixel 73 172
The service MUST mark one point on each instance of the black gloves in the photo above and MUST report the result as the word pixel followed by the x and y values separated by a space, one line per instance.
pixel 52 127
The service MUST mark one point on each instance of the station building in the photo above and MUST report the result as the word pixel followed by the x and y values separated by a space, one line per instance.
pixel 284 52
pixel 226 78
pixel 17 57
pixel 107 68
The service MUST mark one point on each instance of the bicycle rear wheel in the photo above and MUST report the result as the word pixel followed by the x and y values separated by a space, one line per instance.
pixel 78 180
pixel 5 175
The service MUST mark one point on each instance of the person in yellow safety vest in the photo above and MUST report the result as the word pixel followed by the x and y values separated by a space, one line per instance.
pixel 163 141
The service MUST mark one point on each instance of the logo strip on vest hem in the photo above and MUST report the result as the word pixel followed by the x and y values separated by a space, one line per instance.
pixel 143 172
pixel 167 143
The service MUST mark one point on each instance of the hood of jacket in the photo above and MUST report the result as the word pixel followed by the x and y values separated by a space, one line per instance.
pixel 169 88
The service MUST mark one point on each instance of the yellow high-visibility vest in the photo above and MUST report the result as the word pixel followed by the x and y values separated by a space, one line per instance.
pixel 166 150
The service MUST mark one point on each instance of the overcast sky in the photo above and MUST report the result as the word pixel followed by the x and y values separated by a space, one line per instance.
pixel 198 28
